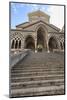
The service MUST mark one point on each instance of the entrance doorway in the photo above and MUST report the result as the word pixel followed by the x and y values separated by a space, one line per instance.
pixel 41 42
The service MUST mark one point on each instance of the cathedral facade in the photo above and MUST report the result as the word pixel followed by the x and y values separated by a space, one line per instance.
pixel 37 32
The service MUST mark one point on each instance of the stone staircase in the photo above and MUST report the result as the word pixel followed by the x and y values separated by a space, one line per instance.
pixel 38 74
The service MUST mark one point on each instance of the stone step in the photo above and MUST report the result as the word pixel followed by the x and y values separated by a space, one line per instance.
pixel 41 62
pixel 39 81
pixel 42 93
pixel 43 83
pixel 36 70
pixel 35 78
pixel 36 73
pixel 35 66
pixel 50 90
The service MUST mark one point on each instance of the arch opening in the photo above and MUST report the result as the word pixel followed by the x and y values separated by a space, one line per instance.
pixel 52 44
pixel 16 44
pixel 19 44
pixel 41 39
pixel 12 45
pixel 61 45
pixel 29 43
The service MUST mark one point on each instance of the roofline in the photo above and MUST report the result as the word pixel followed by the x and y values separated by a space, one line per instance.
pixel 40 21
pixel 57 32
pixel 21 24
pixel 55 26
pixel 21 30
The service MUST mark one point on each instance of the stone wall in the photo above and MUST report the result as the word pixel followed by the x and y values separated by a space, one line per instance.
pixel 16 57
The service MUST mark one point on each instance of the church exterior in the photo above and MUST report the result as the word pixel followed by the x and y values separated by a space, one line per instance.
pixel 33 73
pixel 37 32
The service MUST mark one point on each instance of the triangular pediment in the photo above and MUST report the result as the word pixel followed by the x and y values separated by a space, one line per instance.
pixel 30 24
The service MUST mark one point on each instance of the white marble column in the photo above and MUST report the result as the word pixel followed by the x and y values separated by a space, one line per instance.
pixel 47 47
pixel 35 45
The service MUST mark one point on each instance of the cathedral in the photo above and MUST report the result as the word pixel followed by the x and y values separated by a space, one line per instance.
pixel 37 57
pixel 37 33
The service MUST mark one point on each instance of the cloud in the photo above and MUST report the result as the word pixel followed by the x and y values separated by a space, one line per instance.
pixel 56 15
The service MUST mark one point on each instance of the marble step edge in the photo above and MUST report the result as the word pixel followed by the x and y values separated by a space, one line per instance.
pixel 36 73
pixel 39 81
pixel 36 89
pixel 26 70
pixel 37 67
pixel 38 76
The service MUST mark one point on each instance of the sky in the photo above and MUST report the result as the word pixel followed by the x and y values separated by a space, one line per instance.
pixel 19 13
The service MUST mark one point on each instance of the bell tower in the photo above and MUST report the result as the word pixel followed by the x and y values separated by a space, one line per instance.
pixel 38 15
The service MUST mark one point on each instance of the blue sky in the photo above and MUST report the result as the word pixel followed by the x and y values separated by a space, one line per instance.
pixel 19 12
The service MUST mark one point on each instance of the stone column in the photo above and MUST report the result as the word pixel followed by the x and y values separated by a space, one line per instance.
pixel 36 45
pixel 18 45
pixel 59 47
pixel 48 44
pixel 14 43
pixel 47 47
pixel 22 43
pixel 63 45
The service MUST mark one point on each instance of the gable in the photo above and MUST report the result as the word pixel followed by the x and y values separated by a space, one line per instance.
pixel 32 26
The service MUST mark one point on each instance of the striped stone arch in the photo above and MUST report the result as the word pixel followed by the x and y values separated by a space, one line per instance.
pixel 55 42
pixel 16 34
pixel 43 34
pixel 43 26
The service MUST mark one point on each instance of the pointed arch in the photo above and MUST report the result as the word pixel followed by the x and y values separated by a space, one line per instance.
pixel 53 43
pixel 42 37
pixel 29 43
